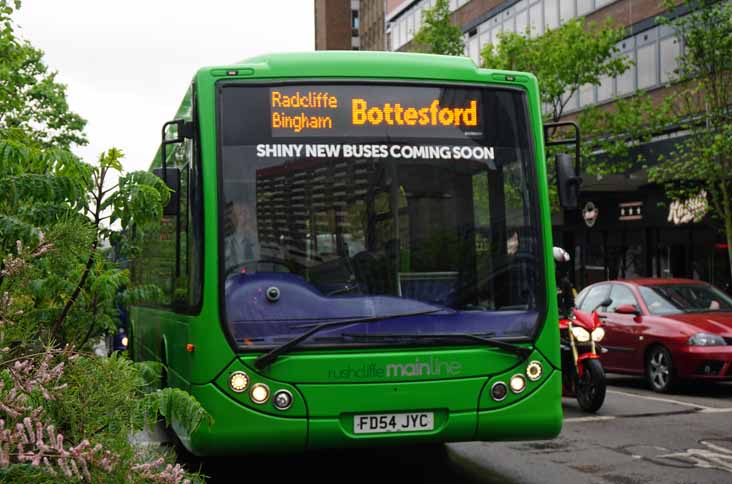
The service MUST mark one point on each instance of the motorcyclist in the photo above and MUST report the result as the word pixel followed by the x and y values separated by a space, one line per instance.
pixel 565 290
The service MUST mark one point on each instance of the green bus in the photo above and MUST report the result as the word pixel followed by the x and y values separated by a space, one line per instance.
pixel 357 252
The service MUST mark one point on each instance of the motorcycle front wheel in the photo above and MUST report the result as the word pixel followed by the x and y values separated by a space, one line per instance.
pixel 591 387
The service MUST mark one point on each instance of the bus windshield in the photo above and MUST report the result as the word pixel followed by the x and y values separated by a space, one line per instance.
pixel 351 200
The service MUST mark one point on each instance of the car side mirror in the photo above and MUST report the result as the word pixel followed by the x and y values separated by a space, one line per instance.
pixel 603 304
pixel 628 309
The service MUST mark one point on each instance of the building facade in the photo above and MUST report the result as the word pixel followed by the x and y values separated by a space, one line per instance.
pixel 337 24
pixel 626 227
pixel 372 32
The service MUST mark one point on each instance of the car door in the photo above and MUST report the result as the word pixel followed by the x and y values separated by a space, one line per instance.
pixel 621 332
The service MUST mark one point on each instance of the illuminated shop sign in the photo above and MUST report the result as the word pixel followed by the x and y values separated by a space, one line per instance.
pixel 690 210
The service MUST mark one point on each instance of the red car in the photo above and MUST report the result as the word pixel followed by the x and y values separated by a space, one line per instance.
pixel 665 329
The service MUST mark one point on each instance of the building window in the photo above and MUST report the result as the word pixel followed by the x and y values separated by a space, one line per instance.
pixel 474 50
pixel 485 39
pixel 625 82
pixel 566 10
pixel 670 52
pixel 536 19
pixel 508 25
pixel 572 102
pixel 605 89
pixel 584 6
pixel 586 95
pixel 551 14
pixel 522 22
pixel 647 66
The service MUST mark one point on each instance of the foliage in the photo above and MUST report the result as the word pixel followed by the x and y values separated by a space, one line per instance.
pixel 48 196
pixel 563 59
pixel 614 132
pixel 33 106
pixel 438 35
pixel 58 427
pixel 703 107
pixel 67 416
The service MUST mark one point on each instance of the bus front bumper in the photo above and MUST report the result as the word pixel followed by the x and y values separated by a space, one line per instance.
pixel 238 430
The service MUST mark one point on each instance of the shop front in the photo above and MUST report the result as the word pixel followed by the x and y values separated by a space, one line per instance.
pixel 626 230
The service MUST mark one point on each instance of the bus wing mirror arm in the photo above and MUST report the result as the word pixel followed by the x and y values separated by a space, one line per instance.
pixel 173 132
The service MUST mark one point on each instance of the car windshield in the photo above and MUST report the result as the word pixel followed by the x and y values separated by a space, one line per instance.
pixel 369 200
pixel 684 298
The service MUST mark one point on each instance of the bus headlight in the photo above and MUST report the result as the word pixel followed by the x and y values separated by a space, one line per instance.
pixel 259 393
pixel 518 383
pixel 125 341
pixel 598 334
pixel 239 381
pixel 533 371
pixel 580 334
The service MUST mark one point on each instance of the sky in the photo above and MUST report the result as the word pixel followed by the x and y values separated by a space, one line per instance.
pixel 128 63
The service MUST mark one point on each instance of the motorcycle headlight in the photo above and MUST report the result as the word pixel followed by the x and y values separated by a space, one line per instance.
pixel 706 339
pixel 580 334
pixel 598 334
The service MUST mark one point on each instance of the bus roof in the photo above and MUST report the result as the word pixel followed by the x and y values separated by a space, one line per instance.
pixel 344 63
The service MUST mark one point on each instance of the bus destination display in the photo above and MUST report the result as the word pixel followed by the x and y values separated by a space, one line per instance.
pixel 374 111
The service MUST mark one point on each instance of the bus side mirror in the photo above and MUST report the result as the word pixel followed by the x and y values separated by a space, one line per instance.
pixel 568 183
pixel 568 179
pixel 172 181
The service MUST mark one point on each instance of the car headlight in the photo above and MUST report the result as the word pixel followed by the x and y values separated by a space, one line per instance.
pixel 580 334
pixel 598 334
pixel 125 341
pixel 706 339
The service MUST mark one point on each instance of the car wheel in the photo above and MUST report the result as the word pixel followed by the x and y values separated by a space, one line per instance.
pixel 659 369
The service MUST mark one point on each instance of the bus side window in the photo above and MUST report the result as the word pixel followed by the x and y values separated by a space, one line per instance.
pixel 189 232
pixel 155 265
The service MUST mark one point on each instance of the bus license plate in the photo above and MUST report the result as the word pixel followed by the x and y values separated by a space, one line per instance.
pixel 393 422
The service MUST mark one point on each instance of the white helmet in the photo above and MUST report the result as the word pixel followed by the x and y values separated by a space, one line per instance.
pixel 560 255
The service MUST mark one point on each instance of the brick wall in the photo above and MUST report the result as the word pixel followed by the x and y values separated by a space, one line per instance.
pixel 332 25
pixel 371 30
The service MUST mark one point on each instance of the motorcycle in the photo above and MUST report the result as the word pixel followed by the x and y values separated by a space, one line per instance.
pixel 582 374
pixel 580 333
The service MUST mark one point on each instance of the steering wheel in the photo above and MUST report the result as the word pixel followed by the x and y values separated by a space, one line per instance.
pixel 237 268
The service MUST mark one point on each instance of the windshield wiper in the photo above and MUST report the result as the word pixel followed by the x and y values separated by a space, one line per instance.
pixel 496 343
pixel 267 358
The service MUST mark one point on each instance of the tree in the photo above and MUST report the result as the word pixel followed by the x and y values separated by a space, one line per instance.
pixel 563 59
pixel 58 289
pixel 702 162
pixel 33 105
pixel 438 35
pixel 49 198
